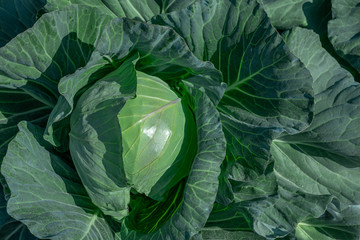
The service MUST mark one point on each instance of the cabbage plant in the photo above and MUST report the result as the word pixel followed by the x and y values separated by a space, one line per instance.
pixel 174 120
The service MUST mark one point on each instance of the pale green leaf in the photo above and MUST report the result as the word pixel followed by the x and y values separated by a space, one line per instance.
pixel 134 9
pixel 46 194
pixel 158 136
pixel 285 14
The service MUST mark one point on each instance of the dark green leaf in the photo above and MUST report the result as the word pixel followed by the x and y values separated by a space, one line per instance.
pixel 344 30
pixel 16 16
pixel 3 214
pixel 96 142
pixel 339 225
pixel 316 171
pixel 337 104
pixel 15 106
pixel 61 42
pixel 15 230
pixel 269 90
pixel 320 164
pixel 219 234
pixel 277 216
pixel 312 14
pixel 38 67
pixel 228 218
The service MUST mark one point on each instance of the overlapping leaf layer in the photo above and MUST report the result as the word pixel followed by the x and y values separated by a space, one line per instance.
pixel 169 119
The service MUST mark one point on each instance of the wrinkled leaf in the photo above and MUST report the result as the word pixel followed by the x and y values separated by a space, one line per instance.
pixel 323 160
pixel 219 234
pixel 269 90
pixel 134 9
pixel 151 42
pixel 344 30
pixel 312 14
pixel 46 194
pixel 96 142
pixel 339 225
pixel 285 14
pixel 61 42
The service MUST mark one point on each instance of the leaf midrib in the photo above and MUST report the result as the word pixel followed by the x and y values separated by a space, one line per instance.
pixel 91 223
pixel 152 113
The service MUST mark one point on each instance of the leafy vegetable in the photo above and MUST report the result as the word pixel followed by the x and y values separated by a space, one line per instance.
pixel 166 150
pixel 169 119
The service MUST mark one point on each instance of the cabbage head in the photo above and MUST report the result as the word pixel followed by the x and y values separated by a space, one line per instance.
pixel 179 119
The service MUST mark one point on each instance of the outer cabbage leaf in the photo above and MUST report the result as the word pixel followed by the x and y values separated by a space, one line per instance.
pixel 134 9
pixel 276 216
pixel 312 14
pixel 239 45
pixel 219 234
pixel 57 45
pixel 324 158
pixel 15 230
pixel 96 142
pixel 46 194
pixel 228 218
pixel 15 106
pixel 316 172
pixel 34 61
pixel 318 13
pixel 269 90
pixel 344 30
pixel 285 14
pixel 16 16
pixel 315 15
pixel 335 224
pixel 334 127
pixel 202 183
